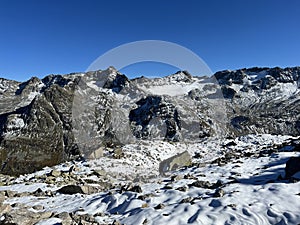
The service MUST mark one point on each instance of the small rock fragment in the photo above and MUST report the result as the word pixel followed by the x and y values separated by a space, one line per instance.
pixel 219 193
pixel 159 206
pixel 55 173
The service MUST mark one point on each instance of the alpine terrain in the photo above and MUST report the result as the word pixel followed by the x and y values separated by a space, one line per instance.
pixel 100 148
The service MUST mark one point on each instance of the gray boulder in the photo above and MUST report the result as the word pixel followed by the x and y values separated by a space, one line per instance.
pixel 181 160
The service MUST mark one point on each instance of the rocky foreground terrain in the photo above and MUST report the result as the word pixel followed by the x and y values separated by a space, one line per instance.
pixel 247 180
pixel 99 148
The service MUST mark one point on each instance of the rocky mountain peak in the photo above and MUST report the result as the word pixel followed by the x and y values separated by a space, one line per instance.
pixel 256 75
pixel 180 76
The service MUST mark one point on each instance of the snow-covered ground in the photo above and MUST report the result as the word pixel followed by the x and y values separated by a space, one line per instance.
pixel 238 181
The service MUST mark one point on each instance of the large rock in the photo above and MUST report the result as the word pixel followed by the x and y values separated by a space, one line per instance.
pixel 76 189
pixel 292 167
pixel 180 160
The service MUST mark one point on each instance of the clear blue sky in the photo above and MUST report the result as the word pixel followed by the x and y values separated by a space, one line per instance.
pixel 54 36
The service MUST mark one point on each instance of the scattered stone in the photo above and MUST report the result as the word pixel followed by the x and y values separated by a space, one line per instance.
pixel 89 181
pixel 99 173
pixel 118 153
pixel 50 180
pixel 5 208
pixel 159 206
pixel 136 188
pixel 87 218
pixel 49 193
pixel 6 219
pixel 9 193
pixel 233 206
pixel 76 189
pixel 116 223
pixel 201 184
pixel 86 189
pixel 189 176
pixel 38 207
pixel 206 184
pixel 218 184
pixel 219 193
pixel 21 194
pixel 183 188
pixel 44 215
pixel 229 155
pixel 55 173
pixel 100 214
pixel 176 178
pixel 187 200
pixel 18 205
pixel 2 197
pixel 98 153
pixel 229 144
pixel 168 187
pixel 143 197
pixel 42 177
pixel 145 205
pixel 38 193
pixel 197 155
pixel 71 169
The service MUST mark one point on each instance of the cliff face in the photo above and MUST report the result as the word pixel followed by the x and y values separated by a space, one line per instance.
pixel 44 122
pixel 36 124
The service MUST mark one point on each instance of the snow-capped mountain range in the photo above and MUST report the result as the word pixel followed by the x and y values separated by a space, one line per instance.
pixel 45 121
pixel 99 148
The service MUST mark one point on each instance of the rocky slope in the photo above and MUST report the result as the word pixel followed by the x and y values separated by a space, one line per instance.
pixel 262 100
pixel 250 179
pixel 46 121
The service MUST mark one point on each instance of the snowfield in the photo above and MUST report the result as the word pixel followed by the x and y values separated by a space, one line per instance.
pixel 233 181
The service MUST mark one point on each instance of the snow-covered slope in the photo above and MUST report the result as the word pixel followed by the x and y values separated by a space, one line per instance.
pixel 98 148
pixel 237 181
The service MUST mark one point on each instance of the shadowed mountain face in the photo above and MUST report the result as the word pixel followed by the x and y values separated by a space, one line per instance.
pixel 44 122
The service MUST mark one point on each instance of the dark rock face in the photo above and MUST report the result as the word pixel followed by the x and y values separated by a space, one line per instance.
pixel 230 77
pixel 152 108
pixel 38 134
pixel 238 121
pixel 292 167
pixel 228 92
pixel 117 83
